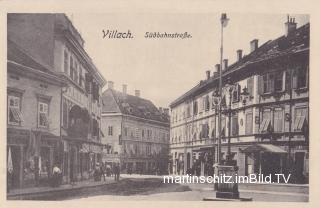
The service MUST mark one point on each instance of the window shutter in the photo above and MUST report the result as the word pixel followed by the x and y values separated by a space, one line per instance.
pixel 239 91
pixel 260 85
pixel 295 79
pixel 288 80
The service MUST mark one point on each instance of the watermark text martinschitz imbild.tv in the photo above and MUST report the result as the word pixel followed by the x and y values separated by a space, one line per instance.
pixel 251 178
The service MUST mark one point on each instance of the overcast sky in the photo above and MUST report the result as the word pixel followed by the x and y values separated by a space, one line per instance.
pixel 164 69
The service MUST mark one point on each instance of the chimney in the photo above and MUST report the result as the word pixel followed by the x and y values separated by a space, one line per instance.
pixel 110 85
pixel 137 93
pixel 124 89
pixel 239 55
pixel 225 64
pixel 208 74
pixel 290 26
pixel 166 111
pixel 254 45
pixel 217 70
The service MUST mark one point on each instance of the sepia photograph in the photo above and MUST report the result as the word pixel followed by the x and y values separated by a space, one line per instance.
pixel 208 106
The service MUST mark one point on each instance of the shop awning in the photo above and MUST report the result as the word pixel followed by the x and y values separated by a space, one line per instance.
pixel 264 148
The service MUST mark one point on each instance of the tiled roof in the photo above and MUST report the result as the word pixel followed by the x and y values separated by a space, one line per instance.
pixel 131 105
pixel 295 42
pixel 18 55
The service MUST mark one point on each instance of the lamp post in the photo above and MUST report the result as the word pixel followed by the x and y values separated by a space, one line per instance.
pixel 231 88
pixel 224 21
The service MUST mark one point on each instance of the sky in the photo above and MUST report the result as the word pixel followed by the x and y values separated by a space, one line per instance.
pixel 164 69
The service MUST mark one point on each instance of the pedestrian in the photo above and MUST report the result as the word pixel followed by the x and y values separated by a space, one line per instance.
pixel 56 174
pixel 97 173
pixel 103 171
pixel 116 172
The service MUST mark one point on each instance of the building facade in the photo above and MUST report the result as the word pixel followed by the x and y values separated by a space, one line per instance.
pixel 53 99
pixel 136 133
pixel 265 109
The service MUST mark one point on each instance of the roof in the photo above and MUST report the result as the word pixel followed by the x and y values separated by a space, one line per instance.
pixel 296 42
pixel 19 58
pixel 264 148
pixel 117 102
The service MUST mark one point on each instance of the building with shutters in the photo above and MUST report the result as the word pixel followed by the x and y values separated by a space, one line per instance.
pixel 136 132
pixel 265 109
pixel 54 102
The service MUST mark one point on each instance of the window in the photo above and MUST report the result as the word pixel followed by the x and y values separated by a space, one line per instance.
pixel 300 118
pixel 266 83
pixel 266 119
pixel 76 72
pixel 142 133
pixel 207 103
pixel 188 111
pixel 302 77
pixel 125 131
pixel 278 82
pixel 43 115
pixel 71 68
pixel 204 131
pixel 236 93
pixel 110 130
pixel 14 113
pixel 195 108
pixel 250 85
pixel 278 120
pixel 80 76
pixel 271 82
pixel 235 125
pixel 249 123
pixel 66 58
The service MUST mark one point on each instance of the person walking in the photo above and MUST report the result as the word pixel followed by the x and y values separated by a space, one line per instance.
pixel 103 171
pixel 116 172
pixel 56 174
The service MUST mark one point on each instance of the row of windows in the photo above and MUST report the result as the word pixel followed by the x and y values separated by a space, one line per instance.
pixel 139 133
pixel 271 120
pixel 267 83
pixel 15 116
pixel 78 74
pixel 139 149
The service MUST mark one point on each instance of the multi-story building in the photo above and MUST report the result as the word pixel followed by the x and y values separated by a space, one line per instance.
pixel 136 132
pixel 81 102
pixel 264 111
pixel 33 104
pixel 65 87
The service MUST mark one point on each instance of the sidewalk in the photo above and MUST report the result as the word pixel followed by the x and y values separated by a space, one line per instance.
pixel 17 193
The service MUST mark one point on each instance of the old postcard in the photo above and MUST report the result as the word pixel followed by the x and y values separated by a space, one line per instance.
pixel 212 105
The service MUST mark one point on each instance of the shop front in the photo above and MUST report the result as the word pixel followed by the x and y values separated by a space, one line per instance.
pixel 31 155
pixel 80 159
pixel 264 159
pixel 202 161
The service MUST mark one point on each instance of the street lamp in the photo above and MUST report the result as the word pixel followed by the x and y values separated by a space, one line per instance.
pixel 224 21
